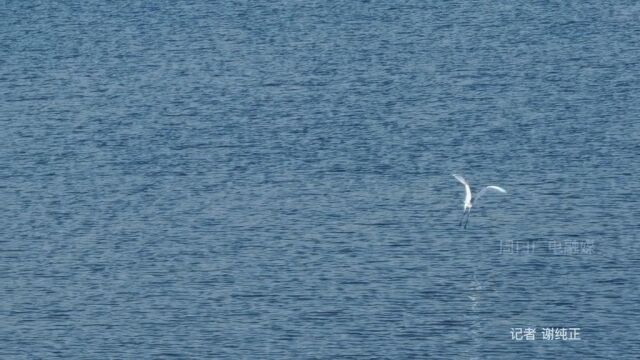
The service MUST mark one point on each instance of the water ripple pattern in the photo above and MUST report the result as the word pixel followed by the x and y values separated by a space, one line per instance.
pixel 272 179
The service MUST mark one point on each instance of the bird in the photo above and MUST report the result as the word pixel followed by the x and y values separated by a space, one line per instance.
pixel 470 200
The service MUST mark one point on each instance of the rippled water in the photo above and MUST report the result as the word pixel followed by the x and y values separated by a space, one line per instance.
pixel 271 180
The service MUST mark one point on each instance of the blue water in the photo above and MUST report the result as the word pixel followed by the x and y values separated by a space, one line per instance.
pixel 272 180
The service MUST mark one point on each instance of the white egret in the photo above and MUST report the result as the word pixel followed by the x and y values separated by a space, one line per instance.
pixel 470 200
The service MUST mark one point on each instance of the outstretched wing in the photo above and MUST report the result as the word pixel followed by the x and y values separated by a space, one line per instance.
pixel 467 189
pixel 493 188
pixel 460 178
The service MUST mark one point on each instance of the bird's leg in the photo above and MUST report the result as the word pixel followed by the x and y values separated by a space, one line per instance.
pixel 468 215
pixel 462 218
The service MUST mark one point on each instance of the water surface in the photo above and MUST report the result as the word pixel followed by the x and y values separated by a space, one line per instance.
pixel 271 180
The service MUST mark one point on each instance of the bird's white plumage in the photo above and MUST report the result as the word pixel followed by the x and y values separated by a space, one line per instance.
pixel 467 190
pixel 490 187
pixel 469 199
pixel 461 179
pixel 498 188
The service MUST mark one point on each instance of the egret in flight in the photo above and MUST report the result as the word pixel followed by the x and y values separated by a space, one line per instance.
pixel 470 200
